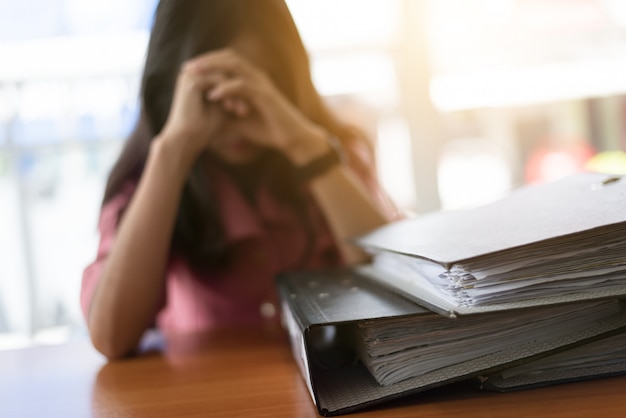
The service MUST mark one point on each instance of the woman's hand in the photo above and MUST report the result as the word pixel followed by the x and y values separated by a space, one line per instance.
pixel 262 114
pixel 193 120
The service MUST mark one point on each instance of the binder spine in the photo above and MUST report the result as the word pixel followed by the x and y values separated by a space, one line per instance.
pixel 298 323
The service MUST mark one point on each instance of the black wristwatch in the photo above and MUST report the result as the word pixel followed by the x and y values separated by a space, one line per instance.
pixel 335 156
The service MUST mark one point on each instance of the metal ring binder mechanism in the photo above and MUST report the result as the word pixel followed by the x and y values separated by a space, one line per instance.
pixel 518 293
pixel 607 181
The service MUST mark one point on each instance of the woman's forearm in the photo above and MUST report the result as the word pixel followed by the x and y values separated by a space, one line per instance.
pixel 132 281
pixel 349 208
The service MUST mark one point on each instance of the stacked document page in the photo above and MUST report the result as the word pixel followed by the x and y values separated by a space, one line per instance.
pixel 525 291
pixel 358 344
pixel 393 351
pixel 603 358
pixel 541 244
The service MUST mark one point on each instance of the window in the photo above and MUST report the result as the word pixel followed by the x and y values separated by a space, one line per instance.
pixel 459 98
pixel 66 104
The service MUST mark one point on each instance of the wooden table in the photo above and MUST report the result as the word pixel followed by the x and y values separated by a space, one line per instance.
pixel 244 373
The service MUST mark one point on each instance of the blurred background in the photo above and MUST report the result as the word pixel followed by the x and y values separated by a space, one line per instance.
pixel 463 100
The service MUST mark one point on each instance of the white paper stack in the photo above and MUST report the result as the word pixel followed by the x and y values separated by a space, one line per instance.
pixel 404 348
pixel 564 240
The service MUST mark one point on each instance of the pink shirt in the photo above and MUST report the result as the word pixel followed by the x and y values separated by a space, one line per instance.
pixel 265 240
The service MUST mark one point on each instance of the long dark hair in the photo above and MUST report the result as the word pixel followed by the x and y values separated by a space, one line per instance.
pixel 183 29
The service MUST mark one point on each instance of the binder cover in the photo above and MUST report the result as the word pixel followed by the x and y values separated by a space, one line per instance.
pixel 559 241
pixel 531 214
pixel 497 384
pixel 320 306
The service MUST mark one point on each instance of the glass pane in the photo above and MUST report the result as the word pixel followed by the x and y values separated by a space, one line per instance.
pixel 14 296
pixel 65 123
pixel 36 19
pixel 352 23
pixel 63 190
pixel 492 53
pixel 342 74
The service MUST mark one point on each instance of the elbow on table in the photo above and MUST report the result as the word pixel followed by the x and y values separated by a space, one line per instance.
pixel 111 344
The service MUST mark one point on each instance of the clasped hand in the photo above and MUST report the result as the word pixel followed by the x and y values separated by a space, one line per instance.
pixel 221 91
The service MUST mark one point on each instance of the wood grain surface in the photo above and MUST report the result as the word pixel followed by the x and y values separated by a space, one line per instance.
pixel 243 373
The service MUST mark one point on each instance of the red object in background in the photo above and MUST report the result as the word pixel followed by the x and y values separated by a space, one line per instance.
pixel 552 162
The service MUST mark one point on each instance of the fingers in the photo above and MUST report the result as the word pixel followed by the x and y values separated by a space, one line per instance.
pixel 191 80
pixel 232 94
pixel 236 106
pixel 227 61
pixel 233 78
pixel 213 88
pixel 228 87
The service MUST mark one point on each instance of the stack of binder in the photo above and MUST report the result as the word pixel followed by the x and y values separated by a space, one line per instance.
pixel 523 292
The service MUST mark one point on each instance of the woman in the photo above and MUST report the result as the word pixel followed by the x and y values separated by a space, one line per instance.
pixel 236 171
